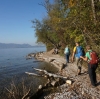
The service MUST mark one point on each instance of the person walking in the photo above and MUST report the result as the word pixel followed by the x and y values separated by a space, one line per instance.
pixel 77 52
pixel 67 54
pixel 92 59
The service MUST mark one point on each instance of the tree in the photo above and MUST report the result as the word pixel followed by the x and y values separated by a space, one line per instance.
pixel 68 21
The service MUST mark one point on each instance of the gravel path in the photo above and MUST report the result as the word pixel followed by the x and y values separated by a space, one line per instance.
pixel 80 88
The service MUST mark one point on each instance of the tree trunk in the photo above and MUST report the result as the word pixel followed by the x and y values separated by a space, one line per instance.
pixel 93 10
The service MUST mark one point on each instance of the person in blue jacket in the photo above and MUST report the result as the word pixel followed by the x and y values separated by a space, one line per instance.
pixel 77 52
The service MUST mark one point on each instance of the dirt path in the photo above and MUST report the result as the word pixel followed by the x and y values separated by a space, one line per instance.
pixel 81 87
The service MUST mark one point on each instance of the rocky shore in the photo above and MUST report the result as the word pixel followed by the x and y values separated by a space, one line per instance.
pixel 79 88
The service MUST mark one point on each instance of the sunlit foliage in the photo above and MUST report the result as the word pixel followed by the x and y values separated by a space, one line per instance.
pixel 68 21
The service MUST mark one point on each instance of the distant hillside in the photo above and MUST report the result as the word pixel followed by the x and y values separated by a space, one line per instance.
pixel 12 45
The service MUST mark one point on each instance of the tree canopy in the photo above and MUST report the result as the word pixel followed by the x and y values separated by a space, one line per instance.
pixel 69 21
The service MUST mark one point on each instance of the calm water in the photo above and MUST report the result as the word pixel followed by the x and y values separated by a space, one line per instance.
pixel 13 65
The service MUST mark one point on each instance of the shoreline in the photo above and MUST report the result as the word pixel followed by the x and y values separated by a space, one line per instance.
pixel 56 60
pixel 80 86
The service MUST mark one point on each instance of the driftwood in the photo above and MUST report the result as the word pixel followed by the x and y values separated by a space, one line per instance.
pixel 38 93
pixel 44 73
pixel 50 74
pixel 54 80
pixel 34 74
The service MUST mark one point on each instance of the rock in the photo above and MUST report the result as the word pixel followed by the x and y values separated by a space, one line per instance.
pixel 62 66
pixel 54 83
pixel 69 82
pixel 51 60
pixel 40 86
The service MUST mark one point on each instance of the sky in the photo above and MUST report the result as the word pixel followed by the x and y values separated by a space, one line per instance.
pixel 15 20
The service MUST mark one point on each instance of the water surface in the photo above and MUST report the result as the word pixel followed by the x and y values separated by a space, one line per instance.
pixel 13 65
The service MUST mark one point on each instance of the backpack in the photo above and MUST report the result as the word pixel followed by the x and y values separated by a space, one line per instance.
pixel 67 51
pixel 80 51
pixel 93 57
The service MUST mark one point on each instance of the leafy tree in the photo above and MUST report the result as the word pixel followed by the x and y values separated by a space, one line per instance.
pixel 68 21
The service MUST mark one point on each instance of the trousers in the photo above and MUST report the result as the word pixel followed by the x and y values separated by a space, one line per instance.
pixel 67 57
pixel 79 62
pixel 92 74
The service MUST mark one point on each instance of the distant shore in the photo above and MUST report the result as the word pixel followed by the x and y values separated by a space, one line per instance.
pixel 12 45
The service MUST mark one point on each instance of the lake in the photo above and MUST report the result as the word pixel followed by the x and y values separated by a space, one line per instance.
pixel 13 65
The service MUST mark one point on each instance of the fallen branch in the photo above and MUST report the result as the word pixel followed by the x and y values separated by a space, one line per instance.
pixel 34 74
pixel 26 95
pixel 54 80
pixel 44 73
pixel 50 74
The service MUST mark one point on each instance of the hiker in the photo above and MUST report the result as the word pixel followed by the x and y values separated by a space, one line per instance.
pixel 92 59
pixel 67 54
pixel 77 52
pixel 55 51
